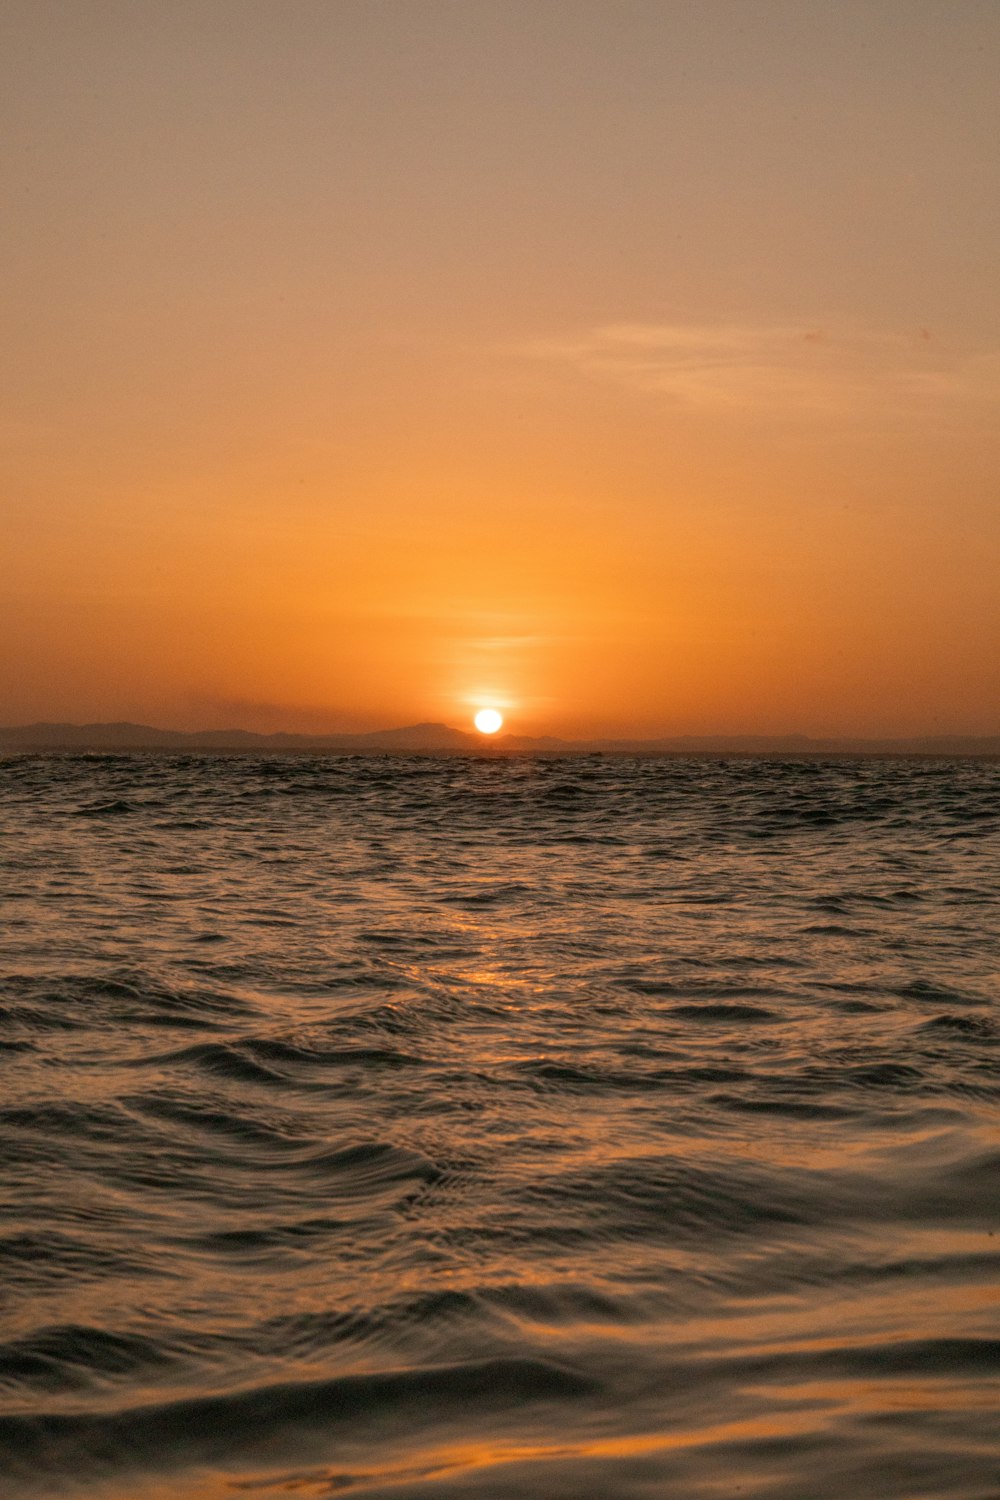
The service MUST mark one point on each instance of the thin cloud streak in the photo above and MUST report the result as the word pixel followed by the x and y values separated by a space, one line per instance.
pixel 778 368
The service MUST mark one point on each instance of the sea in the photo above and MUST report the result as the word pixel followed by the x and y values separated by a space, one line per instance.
pixel 503 1129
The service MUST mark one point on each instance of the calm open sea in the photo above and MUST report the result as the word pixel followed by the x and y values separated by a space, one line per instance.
pixel 525 1130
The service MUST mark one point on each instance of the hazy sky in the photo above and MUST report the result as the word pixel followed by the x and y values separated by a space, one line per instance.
pixel 629 366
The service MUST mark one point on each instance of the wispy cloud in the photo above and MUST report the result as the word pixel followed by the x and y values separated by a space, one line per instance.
pixel 507 643
pixel 797 369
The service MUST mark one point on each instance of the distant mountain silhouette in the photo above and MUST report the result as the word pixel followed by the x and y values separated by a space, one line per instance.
pixel 438 739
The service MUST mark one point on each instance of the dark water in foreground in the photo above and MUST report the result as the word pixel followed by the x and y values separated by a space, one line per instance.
pixel 499 1129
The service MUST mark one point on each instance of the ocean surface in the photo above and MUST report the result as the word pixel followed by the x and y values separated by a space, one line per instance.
pixel 511 1129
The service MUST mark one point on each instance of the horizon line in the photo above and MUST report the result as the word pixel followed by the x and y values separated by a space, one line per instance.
pixel 435 736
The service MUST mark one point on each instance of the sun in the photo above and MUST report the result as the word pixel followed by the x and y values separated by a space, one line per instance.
pixel 488 721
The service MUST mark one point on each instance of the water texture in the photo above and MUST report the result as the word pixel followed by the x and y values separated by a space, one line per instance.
pixel 508 1129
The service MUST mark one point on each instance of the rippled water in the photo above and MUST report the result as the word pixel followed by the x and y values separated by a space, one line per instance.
pixel 492 1128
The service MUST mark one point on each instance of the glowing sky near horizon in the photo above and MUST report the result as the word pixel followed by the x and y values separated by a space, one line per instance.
pixel 629 368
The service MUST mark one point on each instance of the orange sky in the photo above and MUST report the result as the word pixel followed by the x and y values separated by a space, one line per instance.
pixel 632 367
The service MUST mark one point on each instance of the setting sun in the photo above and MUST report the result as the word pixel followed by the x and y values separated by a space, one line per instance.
pixel 488 721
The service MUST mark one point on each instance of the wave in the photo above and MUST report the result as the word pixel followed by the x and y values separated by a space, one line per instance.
pixel 250 1423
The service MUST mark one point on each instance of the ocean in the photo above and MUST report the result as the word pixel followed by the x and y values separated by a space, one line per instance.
pixel 517 1129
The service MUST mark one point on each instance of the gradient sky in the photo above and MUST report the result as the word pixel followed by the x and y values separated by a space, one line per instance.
pixel 633 367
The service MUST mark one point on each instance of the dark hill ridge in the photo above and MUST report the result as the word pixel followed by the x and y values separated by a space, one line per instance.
pixel 441 739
